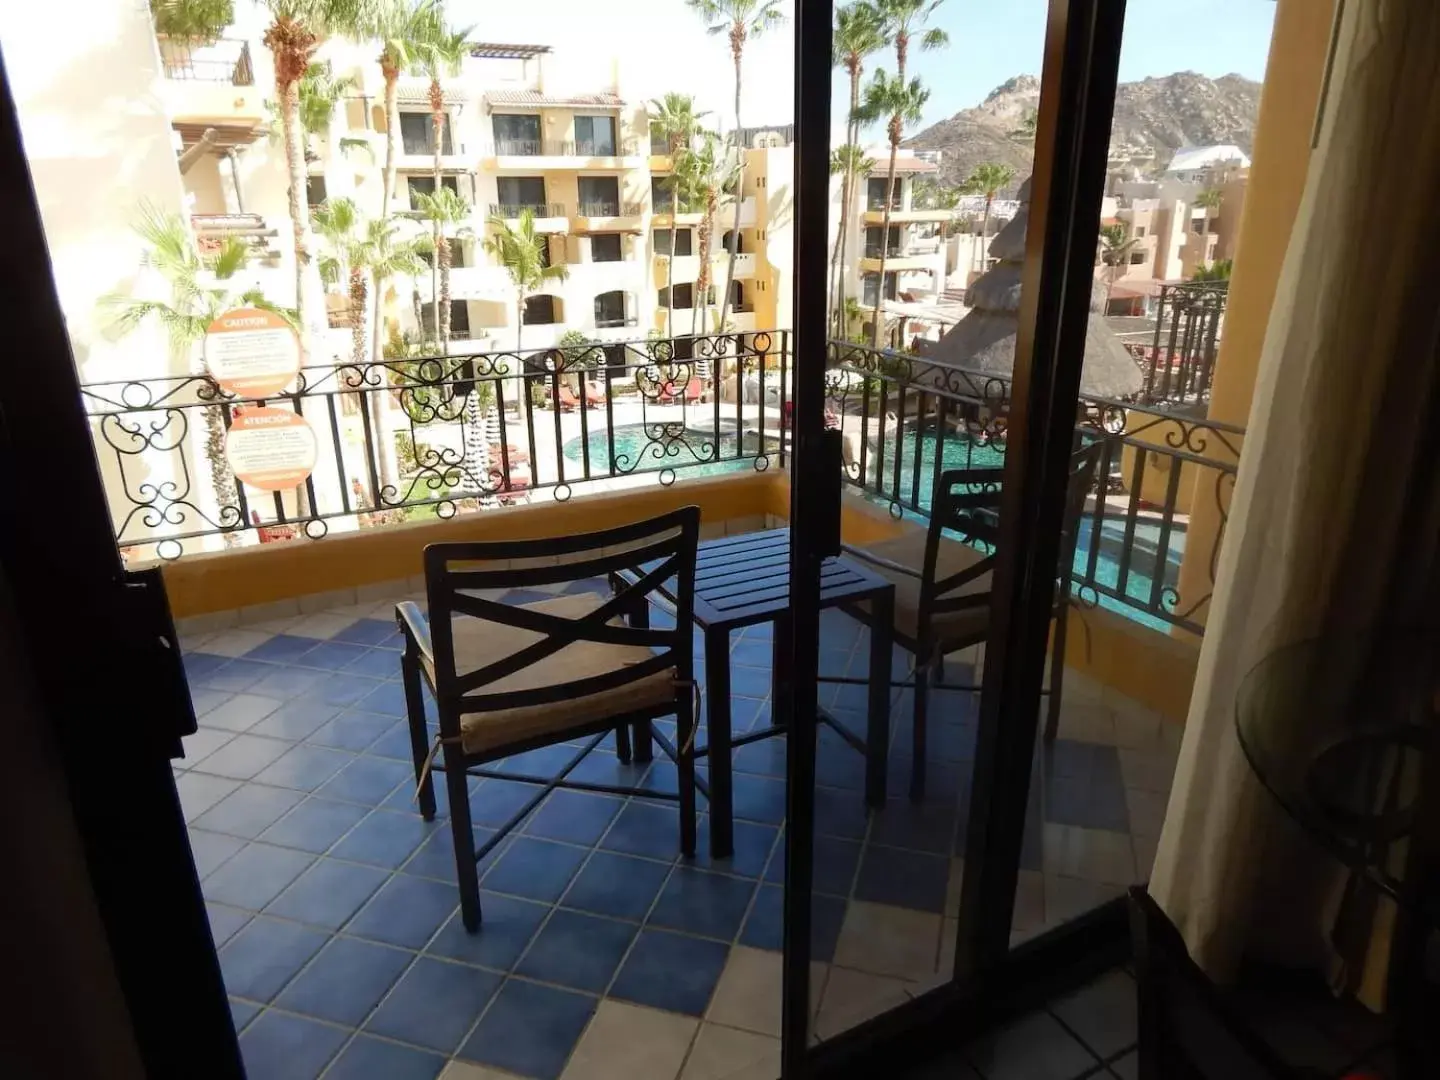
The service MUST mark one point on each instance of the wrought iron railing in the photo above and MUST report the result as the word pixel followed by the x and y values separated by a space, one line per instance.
pixel 1179 360
pixel 903 421
pixel 611 208
pixel 558 148
pixel 437 436
pixel 514 210
pixel 224 61
pixel 894 251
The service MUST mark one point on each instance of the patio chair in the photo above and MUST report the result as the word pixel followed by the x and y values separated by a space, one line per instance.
pixel 1188 1029
pixel 942 586
pixel 511 678
pixel 594 396
pixel 568 401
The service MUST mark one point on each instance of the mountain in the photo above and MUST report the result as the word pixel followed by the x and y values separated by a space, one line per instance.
pixel 1153 118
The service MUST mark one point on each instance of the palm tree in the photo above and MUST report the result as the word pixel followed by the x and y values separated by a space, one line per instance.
pixel 854 164
pixel 1208 200
pixel 200 21
pixel 337 221
pixel 385 255
pixel 517 248
pixel 192 307
pixel 859 32
pixel 447 214
pixel 706 170
pixel 1115 245
pixel 441 55
pixel 903 103
pixel 1219 270
pixel 403 27
pixel 741 20
pixel 295 30
pixel 903 18
pixel 678 123
pixel 989 179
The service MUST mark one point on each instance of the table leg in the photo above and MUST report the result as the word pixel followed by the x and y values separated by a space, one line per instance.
pixel 780 653
pixel 877 733
pixel 717 732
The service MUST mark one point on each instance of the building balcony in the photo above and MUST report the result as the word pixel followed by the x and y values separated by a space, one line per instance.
pixel 609 217
pixel 901 259
pixel 744 265
pixel 548 217
pixel 664 217
pixel 528 155
pixel 687 268
pixel 261 236
pixel 725 215
pixel 875 215
pixel 471 283
pixel 209 82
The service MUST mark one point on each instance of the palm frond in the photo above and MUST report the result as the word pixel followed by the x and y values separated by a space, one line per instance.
pixel 230 259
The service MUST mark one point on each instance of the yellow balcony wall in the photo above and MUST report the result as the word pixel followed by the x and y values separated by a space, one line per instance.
pixel 906 217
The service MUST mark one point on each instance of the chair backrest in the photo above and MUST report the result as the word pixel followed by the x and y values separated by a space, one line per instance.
pixel 1188 1030
pixel 456 580
pixel 967 501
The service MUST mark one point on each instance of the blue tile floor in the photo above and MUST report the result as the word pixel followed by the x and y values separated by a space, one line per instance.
pixel 335 912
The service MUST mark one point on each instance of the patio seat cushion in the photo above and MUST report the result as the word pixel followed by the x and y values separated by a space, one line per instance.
pixel 479 642
pixel 949 629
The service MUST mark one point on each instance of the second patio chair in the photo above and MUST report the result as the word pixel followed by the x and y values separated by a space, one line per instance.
pixel 942 585
pixel 510 678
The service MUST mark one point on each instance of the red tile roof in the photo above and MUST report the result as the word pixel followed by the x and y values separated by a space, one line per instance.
pixel 535 99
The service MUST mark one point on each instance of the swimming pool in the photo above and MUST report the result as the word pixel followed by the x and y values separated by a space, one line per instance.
pixel 637 451
pixel 1147 560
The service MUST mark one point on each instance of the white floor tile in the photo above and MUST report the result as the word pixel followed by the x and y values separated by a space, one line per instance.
pixel 1097 855
pixel 628 1042
pixel 852 997
pixel 883 940
pixel 236 642
pixel 722 1053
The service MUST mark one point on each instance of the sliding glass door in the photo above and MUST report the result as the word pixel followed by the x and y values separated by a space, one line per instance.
pixel 918 709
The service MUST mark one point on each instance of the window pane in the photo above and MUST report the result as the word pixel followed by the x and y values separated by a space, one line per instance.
pixel 516 134
pixel 606 248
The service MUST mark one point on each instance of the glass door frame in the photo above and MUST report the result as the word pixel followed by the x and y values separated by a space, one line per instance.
pixel 1081 68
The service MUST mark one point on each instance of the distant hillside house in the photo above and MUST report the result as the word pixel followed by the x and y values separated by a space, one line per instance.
pixel 1193 164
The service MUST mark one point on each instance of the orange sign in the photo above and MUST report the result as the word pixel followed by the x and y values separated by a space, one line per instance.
pixel 251 352
pixel 271 449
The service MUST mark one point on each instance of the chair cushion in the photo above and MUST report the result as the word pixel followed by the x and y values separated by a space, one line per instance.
pixel 949 629
pixel 479 642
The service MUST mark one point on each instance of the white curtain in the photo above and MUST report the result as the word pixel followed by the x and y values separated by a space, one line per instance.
pixel 1335 520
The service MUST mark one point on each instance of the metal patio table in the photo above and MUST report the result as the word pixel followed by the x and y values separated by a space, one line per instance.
pixel 745 581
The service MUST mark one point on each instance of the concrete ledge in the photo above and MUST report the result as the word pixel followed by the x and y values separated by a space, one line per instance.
pixel 281 573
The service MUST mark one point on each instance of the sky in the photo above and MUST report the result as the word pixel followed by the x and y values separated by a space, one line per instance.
pixel 662 45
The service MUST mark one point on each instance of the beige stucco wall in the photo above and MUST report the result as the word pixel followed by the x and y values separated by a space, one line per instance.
pixel 93 158
pixel 1277 180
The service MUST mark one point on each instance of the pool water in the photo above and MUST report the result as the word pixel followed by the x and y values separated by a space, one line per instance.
pixel 960 452
pixel 636 451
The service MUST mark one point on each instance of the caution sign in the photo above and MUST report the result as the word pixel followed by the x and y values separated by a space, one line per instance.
pixel 251 352
pixel 271 449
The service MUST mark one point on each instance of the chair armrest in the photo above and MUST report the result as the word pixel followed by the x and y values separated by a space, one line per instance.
pixel 875 560
pixel 415 627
